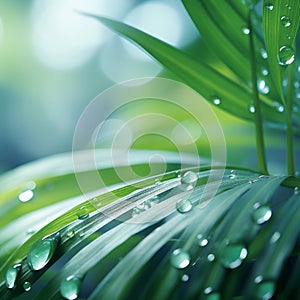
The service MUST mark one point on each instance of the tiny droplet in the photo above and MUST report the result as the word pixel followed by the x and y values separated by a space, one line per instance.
pixel 285 21
pixel 27 286
pixel 184 206
pixel 262 214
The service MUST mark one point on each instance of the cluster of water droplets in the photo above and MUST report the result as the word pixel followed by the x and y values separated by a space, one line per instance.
pixel 188 182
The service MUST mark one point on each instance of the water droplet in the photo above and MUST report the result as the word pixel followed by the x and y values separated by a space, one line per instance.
pixel 217 101
pixel 296 84
pixel 264 72
pixel 275 237
pixel 233 174
pixel 208 290
pixel 26 196
pixel 269 6
pixel 262 214
pixel 265 289
pixel 285 21
pixel 263 88
pixel 202 241
pixel 184 206
pixel 30 231
pixel 210 257
pixel 70 287
pixel 280 108
pixel 11 275
pixel 286 55
pixel 185 278
pixel 263 53
pixel 189 177
pixel 233 255
pixel 82 213
pixel 245 30
pixel 151 202
pixel 41 252
pixel 252 108
pixel 296 190
pixel 70 233
pixel 27 286
pixel 180 259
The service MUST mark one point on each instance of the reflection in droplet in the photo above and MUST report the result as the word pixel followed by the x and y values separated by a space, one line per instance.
pixel 41 252
pixel 263 88
pixel 184 206
pixel 70 287
pixel 82 213
pixel 180 259
pixel 11 275
pixel 286 55
pixel 233 255
pixel 262 214
pixel 27 286
pixel 285 21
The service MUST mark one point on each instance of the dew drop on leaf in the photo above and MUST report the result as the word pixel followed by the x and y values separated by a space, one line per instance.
pixel 189 177
pixel 233 255
pixel 263 88
pixel 82 213
pixel 275 237
pixel 232 174
pixel 27 286
pixel 263 53
pixel 262 214
pixel 184 206
pixel 41 252
pixel 269 6
pixel 216 101
pixel 265 289
pixel 252 108
pixel 180 259
pixel 70 287
pixel 202 240
pixel 185 277
pixel 285 21
pixel 296 190
pixel 264 72
pixel 210 257
pixel 70 233
pixel 245 30
pixel 286 55
pixel 11 276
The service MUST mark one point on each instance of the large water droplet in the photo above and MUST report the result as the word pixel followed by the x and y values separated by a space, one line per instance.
pixel 265 289
pixel 262 214
pixel 189 177
pixel 27 286
pixel 70 287
pixel 11 275
pixel 180 259
pixel 263 88
pixel 233 255
pixel 286 55
pixel 285 21
pixel 41 252
pixel 184 206
pixel 82 213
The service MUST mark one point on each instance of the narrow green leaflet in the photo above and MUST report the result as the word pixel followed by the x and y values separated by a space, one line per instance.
pixel 229 95
pixel 281 22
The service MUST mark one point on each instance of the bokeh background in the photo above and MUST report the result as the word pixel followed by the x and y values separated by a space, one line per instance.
pixel 54 61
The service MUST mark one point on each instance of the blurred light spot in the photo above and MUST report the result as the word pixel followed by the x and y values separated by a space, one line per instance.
pixel 1 33
pixel 26 196
pixel 118 65
pixel 64 39
pixel 186 132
